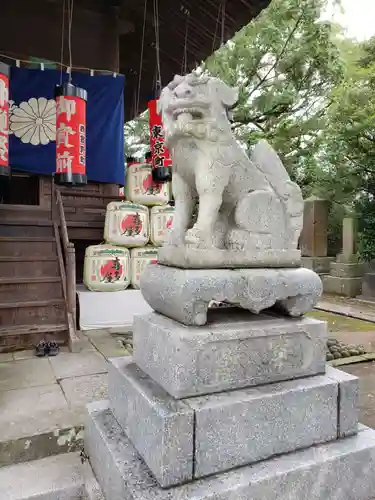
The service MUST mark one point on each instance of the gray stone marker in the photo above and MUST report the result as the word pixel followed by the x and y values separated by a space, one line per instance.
pixel 236 349
pixel 229 404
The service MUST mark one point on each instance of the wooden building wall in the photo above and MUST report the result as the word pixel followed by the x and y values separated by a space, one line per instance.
pixel 32 28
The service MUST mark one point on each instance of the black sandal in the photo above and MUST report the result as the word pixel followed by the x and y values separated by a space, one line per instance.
pixel 41 349
pixel 53 348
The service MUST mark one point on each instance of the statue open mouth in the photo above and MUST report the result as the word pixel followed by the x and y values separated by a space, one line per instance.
pixel 185 115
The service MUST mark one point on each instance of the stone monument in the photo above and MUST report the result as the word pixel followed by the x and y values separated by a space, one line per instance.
pixel 314 236
pixel 346 273
pixel 232 403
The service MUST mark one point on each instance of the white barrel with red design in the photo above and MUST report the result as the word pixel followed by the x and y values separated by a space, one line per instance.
pixel 140 188
pixel 126 224
pixel 139 259
pixel 106 268
pixel 161 220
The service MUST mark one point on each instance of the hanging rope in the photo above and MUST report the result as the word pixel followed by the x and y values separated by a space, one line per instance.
pixel 184 60
pixel 216 27
pixel 157 44
pixel 70 16
pixel 141 59
pixel 223 5
pixel 62 42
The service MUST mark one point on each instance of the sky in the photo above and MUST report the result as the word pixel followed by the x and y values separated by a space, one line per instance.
pixel 358 18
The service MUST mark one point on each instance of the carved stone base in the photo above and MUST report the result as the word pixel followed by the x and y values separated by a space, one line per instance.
pixel 184 295
pixel 198 258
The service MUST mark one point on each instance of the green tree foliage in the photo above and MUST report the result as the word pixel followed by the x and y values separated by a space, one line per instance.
pixel 348 156
pixel 285 64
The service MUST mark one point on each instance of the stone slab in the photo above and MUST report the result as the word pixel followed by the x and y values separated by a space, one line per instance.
pixel 78 364
pixel 37 422
pixel 341 470
pixel 236 349
pixel 341 270
pixel 348 401
pixel 368 285
pixel 185 295
pixel 320 265
pixel 82 390
pixel 160 428
pixel 197 258
pixel 27 373
pixel 348 287
pixel 242 427
pixel 53 478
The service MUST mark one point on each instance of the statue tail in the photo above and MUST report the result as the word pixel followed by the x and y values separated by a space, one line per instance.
pixel 265 158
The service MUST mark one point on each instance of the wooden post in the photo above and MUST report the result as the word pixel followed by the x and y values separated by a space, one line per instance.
pixel 71 281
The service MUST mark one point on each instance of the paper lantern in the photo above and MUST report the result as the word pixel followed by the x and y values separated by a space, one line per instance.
pixel 161 160
pixel 4 120
pixel 70 135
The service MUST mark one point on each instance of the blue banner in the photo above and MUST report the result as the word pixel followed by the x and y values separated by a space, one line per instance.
pixel 32 123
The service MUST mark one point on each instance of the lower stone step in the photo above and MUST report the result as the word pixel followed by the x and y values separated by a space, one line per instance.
pixel 62 477
pixel 340 470
pixel 53 478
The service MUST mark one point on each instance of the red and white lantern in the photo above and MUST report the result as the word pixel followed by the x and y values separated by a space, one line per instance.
pixel 4 120
pixel 70 135
pixel 161 160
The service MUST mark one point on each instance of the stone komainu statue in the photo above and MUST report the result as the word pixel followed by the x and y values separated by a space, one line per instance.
pixel 244 203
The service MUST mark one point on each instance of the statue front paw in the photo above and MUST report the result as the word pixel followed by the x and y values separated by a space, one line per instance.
pixel 199 238
pixel 176 239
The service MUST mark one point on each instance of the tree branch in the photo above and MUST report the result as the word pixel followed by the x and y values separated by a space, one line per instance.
pixel 282 52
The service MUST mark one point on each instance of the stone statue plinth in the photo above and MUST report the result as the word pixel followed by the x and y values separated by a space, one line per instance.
pixel 234 402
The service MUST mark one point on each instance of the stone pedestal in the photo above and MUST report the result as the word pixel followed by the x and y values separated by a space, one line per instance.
pixel 368 286
pixel 321 265
pixel 346 273
pixel 185 294
pixel 243 407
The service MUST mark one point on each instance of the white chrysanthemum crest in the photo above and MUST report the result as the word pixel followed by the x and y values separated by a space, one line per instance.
pixel 34 121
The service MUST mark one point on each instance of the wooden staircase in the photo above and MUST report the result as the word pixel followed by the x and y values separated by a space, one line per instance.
pixel 38 265
pixel 32 304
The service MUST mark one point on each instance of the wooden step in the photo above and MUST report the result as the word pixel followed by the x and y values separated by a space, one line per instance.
pixel 29 266
pixel 19 337
pixel 25 228
pixel 25 212
pixel 34 312
pixel 27 246
pixel 21 288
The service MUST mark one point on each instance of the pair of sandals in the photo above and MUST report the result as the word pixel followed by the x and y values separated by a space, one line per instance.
pixel 47 349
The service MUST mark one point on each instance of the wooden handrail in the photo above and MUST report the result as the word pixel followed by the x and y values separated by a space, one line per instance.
pixel 67 271
pixel 63 226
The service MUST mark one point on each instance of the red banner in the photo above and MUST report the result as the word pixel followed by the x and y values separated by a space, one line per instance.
pixel 4 117
pixel 70 135
pixel 160 154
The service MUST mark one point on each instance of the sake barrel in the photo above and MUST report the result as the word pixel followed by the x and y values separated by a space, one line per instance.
pixel 140 188
pixel 161 219
pixel 106 268
pixel 139 259
pixel 126 224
